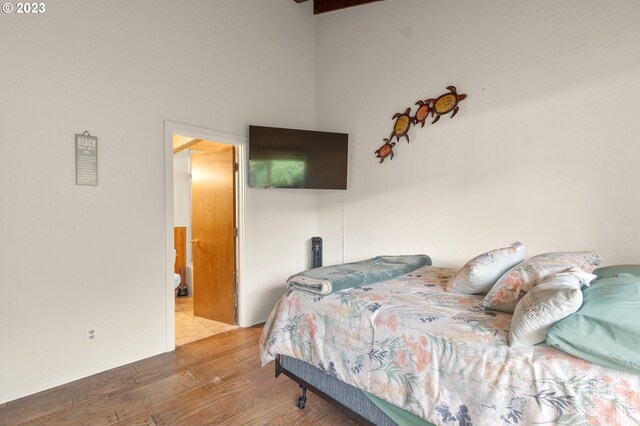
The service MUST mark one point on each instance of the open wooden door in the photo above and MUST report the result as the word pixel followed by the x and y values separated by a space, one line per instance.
pixel 214 233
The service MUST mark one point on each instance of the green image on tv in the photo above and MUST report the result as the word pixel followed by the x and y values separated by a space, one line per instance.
pixel 277 173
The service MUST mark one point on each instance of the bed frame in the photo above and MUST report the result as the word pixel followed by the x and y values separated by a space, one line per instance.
pixel 331 389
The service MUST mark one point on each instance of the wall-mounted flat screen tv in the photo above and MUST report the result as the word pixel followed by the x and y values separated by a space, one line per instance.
pixel 291 158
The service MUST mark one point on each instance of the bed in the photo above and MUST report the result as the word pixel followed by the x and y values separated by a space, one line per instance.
pixel 409 346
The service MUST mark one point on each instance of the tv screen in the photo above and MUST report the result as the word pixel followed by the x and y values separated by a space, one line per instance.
pixel 290 158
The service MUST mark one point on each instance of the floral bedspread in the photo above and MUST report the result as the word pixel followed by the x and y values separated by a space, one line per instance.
pixel 437 355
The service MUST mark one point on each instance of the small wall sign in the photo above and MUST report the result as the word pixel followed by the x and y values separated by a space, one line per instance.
pixel 86 159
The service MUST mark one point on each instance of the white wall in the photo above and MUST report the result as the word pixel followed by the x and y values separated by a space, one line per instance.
pixel 278 245
pixel 181 189
pixel 544 149
pixel 74 257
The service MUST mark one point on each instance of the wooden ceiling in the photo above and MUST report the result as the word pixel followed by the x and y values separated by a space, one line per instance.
pixel 322 6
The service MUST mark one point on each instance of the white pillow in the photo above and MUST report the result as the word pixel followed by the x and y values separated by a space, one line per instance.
pixel 480 273
pixel 544 305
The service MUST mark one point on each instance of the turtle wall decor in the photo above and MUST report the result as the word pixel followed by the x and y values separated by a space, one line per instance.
pixel 423 111
pixel 446 103
pixel 385 150
pixel 402 125
pixel 434 107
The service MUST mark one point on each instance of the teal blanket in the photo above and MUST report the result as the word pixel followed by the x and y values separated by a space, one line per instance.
pixel 330 279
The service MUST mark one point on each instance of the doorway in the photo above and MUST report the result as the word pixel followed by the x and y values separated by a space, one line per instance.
pixel 214 237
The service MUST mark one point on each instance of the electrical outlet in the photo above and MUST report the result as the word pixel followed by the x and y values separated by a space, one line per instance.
pixel 92 334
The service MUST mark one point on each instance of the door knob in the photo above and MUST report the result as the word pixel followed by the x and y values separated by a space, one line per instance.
pixel 194 242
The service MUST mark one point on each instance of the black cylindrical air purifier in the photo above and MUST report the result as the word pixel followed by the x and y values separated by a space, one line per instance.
pixel 316 252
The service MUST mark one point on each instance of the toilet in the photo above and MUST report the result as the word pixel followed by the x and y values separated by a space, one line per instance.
pixel 176 277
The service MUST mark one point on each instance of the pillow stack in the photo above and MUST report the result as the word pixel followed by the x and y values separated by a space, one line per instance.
pixel 555 298
pixel 540 291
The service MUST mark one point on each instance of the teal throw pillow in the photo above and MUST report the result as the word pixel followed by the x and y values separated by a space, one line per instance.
pixel 606 329
pixel 613 270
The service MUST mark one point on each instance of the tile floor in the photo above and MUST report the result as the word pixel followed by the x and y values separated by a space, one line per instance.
pixel 190 328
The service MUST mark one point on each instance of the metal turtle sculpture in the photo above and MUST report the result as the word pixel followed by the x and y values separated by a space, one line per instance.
pixel 385 150
pixel 423 111
pixel 402 125
pixel 446 103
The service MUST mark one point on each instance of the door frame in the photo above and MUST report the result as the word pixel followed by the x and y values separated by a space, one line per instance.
pixel 241 143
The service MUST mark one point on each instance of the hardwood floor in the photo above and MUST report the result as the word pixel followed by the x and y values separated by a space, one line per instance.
pixel 217 381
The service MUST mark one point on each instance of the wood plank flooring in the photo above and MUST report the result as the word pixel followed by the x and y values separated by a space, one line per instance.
pixel 214 381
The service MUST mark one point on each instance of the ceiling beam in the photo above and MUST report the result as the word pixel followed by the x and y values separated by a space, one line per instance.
pixel 208 146
pixel 322 6
pixel 181 146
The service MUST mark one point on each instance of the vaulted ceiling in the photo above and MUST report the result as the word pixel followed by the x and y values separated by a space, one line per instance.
pixel 322 6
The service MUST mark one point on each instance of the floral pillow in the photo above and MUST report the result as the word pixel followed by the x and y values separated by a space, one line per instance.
pixel 480 273
pixel 532 272
pixel 544 305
